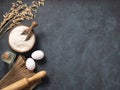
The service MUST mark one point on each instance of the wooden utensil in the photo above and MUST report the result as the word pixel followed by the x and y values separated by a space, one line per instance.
pixel 18 72
pixel 17 41
pixel 21 84
pixel 29 31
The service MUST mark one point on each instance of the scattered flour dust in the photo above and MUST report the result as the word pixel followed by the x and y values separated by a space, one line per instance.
pixel 17 41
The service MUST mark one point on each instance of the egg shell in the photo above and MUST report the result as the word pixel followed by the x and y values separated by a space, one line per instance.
pixel 30 64
pixel 37 55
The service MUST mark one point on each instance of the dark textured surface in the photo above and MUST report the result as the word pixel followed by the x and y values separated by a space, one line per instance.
pixel 81 41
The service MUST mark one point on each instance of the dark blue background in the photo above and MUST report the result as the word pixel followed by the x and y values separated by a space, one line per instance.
pixel 81 41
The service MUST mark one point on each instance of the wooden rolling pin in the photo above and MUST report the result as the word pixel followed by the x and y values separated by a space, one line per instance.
pixel 23 83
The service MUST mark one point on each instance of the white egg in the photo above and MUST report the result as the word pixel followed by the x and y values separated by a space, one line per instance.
pixel 37 55
pixel 30 64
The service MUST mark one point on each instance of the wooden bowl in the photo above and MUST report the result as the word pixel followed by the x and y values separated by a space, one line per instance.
pixel 17 40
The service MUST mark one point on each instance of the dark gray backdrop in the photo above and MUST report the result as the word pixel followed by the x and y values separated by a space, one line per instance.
pixel 80 39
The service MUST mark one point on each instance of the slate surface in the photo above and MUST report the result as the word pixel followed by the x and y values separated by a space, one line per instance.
pixel 80 39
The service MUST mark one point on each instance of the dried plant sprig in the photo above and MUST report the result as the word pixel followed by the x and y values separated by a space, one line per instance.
pixel 13 11
pixel 19 12
pixel 27 13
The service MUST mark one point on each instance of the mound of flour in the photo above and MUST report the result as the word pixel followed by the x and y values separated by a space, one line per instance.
pixel 17 41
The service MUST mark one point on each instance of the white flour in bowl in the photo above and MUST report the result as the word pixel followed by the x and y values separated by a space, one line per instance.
pixel 17 41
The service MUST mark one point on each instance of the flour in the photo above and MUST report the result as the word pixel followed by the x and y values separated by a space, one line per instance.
pixel 17 41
